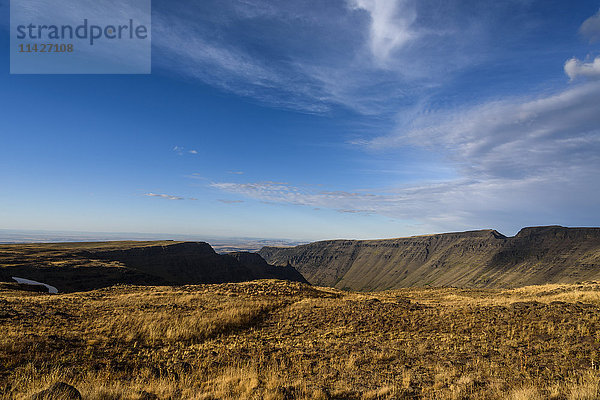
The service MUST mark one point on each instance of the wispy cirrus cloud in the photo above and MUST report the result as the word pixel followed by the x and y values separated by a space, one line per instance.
pixel 164 196
pixel 505 204
pixel 518 157
pixel 404 203
pixel 278 192
pixel 168 196
pixel 230 67
pixel 521 155
pixel 371 56
pixel 512 138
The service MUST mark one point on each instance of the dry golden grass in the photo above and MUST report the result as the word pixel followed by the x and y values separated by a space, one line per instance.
pixel 281 340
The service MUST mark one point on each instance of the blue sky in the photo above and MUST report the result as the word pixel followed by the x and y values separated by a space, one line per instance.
pixel 315 120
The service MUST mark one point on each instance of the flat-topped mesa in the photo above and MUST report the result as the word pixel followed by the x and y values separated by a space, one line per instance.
pixel 180 249
pixel 483 258
pixel 558 231
pixel 482 233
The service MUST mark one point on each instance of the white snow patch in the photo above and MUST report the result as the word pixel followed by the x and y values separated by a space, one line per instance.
pixel 51 289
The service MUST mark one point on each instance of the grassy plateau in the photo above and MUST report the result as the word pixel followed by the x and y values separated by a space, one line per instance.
pixel 272 339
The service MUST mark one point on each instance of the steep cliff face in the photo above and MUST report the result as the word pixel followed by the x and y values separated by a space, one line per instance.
pixel 548 254
pixel 468 259
pixel 182 263
pixel 197 262
pixel 87 266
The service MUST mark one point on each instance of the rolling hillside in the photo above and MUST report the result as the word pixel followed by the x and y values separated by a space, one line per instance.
pixel 483 258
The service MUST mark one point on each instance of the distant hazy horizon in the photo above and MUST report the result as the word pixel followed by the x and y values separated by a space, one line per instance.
pixel 9 236
pixel 14 236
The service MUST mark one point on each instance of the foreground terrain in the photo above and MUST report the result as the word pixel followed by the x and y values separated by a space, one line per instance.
pixel 285 340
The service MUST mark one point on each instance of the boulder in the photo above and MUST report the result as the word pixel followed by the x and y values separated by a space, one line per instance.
pixel 58 391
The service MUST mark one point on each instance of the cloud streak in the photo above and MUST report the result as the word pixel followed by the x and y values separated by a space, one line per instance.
pixel 369 56
pixel 164 196
pixel 390 28
pixel 230 201
pixel 518 159
pixel 512 138
pixel 168 196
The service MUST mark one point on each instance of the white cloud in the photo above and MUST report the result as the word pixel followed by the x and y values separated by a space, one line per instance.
pixel 196 175
pixel 231 201
pixel 363 212
pixel 518 161
pixel 180 150
pixel 278 192
pixel 391 22
pixel 514 137
pixel 575 68
pixel 591 28
pixel 164 196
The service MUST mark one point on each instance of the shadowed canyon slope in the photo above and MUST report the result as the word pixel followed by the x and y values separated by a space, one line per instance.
pixel 86 266
pixel 483 258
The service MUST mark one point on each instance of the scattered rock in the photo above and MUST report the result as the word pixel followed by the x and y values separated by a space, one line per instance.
pixel 558 303
pixel 58 391
pixel 287 392
pixel 526 305
pixel 372 302
pixel 62 314
pixel 148 396
pixel 321 394
pixel 403 301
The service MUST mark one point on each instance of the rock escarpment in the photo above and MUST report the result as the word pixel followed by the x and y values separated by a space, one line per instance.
pixel 87 266
pixel 483 258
